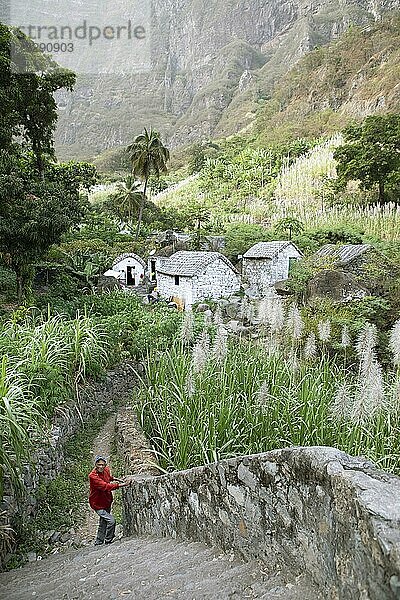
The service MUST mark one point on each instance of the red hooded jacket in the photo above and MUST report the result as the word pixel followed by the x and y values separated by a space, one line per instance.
pixel 100 497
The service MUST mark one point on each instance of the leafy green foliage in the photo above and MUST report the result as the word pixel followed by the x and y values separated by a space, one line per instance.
pixel 39 199
pixel 28 106
pixel 240 237
pixel 7 284
pixel 289 226
pixel 372 154
pixel 34 212
pixel 311 240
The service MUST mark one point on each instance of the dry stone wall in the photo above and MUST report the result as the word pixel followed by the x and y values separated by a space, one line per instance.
pixel 48 462
pixel 316 510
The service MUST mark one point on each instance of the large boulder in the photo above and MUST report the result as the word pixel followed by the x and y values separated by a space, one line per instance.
pixel 337 285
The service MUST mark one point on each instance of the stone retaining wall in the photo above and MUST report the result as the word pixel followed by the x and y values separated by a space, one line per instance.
pixel 91 399
pixel 316 510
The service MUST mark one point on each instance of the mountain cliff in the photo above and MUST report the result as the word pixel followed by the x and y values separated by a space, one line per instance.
pixel 211 63
pixel 351 78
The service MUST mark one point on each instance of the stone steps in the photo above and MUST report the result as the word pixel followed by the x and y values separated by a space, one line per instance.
pixel 150 569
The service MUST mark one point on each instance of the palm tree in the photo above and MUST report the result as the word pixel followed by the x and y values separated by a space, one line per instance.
pixel 148 155
pixel 126 201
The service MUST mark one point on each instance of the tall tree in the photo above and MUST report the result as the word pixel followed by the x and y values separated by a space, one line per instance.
pixel 28 108
pixel 39 199
pixel 126 201
pixel 36 211
pixel 289 226
pixel 148 156
pixel 371 154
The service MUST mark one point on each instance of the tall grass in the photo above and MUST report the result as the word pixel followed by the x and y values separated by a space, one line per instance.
pixel 20 419
pixel 253 402
pixel 43 359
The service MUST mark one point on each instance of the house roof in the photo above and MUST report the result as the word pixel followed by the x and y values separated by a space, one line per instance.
pixel 189 264
pixel 128 255
pixel 268 249
pixel 343 254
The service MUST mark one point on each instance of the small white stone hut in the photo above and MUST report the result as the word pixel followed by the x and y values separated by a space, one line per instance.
pixel 266 263
pixel 130 267
pixel 195 276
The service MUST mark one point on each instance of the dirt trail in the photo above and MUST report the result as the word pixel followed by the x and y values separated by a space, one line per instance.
pixel 102 445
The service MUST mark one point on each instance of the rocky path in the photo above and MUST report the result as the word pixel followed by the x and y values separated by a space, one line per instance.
pixel 102 445
pixel 150 569
pixel 146 568
pixel 84 532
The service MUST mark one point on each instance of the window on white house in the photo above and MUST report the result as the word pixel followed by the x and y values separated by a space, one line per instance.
pixel 176 279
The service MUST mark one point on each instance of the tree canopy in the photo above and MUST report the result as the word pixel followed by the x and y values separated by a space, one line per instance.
pixel 371 154
pixel 39 199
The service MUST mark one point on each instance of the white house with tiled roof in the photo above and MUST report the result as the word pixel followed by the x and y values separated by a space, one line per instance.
pixel 129 269
pixel 266 263
pixel 195 276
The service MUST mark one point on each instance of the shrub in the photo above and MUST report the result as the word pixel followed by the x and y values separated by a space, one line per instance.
pixel 240 237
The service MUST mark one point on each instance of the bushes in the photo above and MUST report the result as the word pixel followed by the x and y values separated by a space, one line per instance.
pixel 8 284
pixel 240 237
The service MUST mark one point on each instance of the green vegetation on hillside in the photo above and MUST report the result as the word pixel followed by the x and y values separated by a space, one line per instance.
pixel 334 83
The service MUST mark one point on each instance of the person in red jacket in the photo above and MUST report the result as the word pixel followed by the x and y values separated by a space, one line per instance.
pixel 100 499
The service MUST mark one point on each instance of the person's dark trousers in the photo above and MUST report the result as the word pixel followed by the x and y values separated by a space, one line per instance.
pixel 106 530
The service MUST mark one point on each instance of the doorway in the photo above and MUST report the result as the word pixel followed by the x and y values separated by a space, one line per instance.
pixel 152 270
pixel 130 276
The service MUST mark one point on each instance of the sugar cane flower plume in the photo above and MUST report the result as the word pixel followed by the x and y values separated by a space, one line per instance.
pixel 294 323
pixel 324 330
pixel 342 405
pixel 207 319
pixel 277 314
pixel 370 394
pixel 220 348
pixel 270 311
pixel 189 383
pixel 345 341
pixel 310 347
pixel 264 309
pixel 394 343
pixel 201 353
pixel 187 327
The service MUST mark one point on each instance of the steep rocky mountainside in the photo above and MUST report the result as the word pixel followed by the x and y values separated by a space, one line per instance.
pixel 212 61
pixel 351 78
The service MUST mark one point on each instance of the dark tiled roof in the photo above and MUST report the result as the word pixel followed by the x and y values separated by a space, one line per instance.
pixel 343 254
pixel 268 249
pixel 188 264
pixel 129 255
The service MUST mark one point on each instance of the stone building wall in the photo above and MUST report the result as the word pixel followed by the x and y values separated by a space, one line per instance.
pixel 316 510
pixel 217 281
pixel 264 272
pixel 167 288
